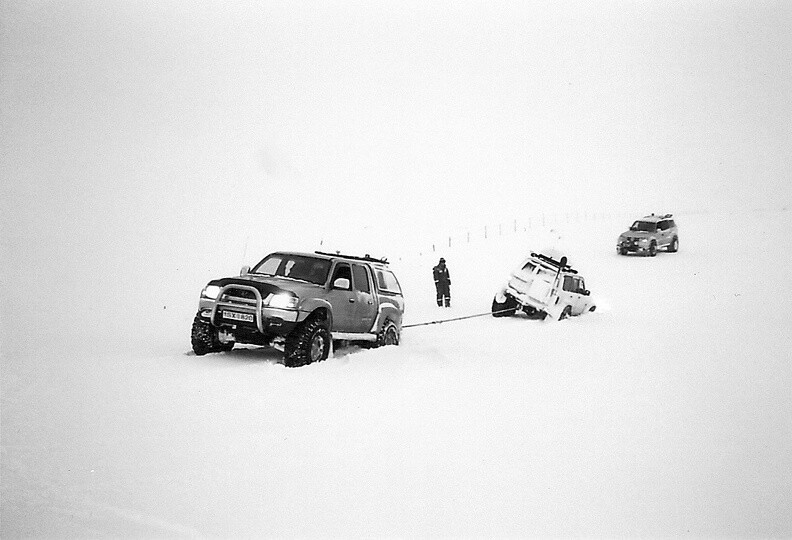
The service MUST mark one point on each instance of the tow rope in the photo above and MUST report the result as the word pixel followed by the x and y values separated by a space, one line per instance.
pixel 440 321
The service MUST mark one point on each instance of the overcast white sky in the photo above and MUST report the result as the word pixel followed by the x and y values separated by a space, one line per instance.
pixel 132 131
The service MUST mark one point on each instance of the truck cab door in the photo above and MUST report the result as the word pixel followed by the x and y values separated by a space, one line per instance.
pixel 366 307
pixel 561 297
pixel 662 233
pixel 572 290
pixel 342 298
pixel 581 298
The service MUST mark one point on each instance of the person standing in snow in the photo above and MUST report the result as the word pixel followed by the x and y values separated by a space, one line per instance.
pixel 442 283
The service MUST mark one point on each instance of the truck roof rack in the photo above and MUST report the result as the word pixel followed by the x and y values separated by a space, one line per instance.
pixel 366 257
pixel 553 262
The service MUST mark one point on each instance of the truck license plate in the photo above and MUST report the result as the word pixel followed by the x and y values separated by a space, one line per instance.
pixel 246 317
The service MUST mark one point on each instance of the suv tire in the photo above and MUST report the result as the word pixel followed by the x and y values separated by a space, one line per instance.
pixel 653 249
pixel 309 342
pixel 204 337
pixel 504 309
pixel 674 246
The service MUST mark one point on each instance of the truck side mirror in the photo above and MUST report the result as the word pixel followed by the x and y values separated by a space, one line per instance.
pixel 341 283
pixel 586 292
pixel 245 271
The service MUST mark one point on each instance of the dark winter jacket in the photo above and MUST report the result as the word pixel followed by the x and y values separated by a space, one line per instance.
pixel 441 275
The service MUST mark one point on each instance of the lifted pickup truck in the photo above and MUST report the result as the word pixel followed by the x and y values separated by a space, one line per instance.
pixel 544 286
pixel 298 303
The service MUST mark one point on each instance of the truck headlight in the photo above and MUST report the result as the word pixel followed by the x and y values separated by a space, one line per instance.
pixel 210 291
pixel 282 301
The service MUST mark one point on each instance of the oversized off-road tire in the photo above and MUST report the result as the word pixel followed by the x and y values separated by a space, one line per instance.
pixel 566 313
pixel 653 249
pixel 504 309
pixel 622 251
pixel 309 342
pixel 389 335
pixel 204 337
pixel 673 247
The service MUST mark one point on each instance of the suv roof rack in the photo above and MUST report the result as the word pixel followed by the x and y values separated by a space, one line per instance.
pixel 553 262
pixel 366 257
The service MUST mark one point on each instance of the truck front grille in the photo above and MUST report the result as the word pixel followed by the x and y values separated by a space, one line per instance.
pixel 239 296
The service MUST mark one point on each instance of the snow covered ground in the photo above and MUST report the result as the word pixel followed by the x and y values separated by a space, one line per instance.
pixel 667 412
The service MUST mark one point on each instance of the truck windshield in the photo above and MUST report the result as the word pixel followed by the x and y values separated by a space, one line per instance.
pixel 302 267
pixel 647 226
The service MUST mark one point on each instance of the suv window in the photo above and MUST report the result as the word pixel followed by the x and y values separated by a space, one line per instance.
pixel 361 278
pixel 387 282
pixel 663 225
pixel 574 284
pixel 671 223
pixel 570 284
pixel 646 226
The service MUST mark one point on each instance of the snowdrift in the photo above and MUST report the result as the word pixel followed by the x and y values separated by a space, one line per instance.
pixel 667 412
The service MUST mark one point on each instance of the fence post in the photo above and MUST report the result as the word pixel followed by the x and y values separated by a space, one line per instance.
pixel 449 241
pixel 485 232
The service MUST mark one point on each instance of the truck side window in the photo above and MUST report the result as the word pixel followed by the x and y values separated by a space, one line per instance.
pixel 387 282
pixel 569 283
pixel 361 278
pixel 343 271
